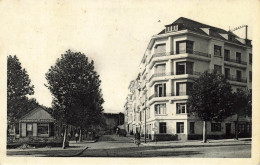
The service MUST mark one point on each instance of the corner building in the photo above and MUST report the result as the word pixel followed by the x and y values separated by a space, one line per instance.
pixel 179 53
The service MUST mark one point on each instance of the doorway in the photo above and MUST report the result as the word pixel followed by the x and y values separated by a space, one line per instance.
pixel 228 129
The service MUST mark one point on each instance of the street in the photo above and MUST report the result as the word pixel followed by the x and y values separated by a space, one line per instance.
pixel 124 148
pixel 113 146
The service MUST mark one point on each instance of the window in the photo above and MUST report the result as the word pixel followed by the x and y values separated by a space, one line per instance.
pixel 215 127
pixel 192 127
pixel 162 127
pixel 227 73
pixel 230 37
pixel 160 109
pixel 160 90
pixel 180 68
pixel 183 88
pixel 217 50
pixel 180 108
pixel 239 75
pixel 184 47
pixel 175 27
pixel 42 129
pixel 160 48
pixel 238 57
pixel 29 129
pixel 250 76
pixel 184 68
pixel 226 54
pixel 250 58
pixel 217 69
pixel 180 127
pixel 172 28
pixel 160 69
pixel 242 128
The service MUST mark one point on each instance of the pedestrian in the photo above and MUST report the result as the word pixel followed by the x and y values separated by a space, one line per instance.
pixel 117 131
pixel 69 136
pixel 76 137
pixel 137 138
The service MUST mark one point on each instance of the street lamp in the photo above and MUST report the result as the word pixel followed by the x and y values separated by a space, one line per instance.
pixel 145 116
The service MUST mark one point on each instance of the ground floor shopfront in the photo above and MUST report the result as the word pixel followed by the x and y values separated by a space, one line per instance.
pixel 37 123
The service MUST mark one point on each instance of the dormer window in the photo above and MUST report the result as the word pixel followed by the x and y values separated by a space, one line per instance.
pixel 172 28
pixel 230 38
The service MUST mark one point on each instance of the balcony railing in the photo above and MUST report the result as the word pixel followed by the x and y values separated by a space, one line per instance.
pixel 238 79
pixel 180 72
pixel 169 94
pixel 180 52
pixel 235 61
pixel 177 73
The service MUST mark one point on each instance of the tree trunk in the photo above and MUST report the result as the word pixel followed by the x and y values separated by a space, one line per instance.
pixel 237 128
pixel 80 135
pixel 204 131
pixel 65 137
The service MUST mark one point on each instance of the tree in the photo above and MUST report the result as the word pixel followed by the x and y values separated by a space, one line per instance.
pixel 242 106
pixel 75 86
pixel 18 88
pixel 210 99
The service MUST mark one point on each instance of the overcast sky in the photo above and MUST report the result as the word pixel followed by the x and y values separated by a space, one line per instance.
pixel 114 34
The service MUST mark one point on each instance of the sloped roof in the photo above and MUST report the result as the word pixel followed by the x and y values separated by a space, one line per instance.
pixel 38 114
pixel 188 24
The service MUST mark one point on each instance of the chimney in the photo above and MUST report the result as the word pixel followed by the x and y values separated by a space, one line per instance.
pixel 246 32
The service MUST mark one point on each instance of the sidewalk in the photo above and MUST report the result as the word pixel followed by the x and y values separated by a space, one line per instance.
pixel 74 149
pixel 196 143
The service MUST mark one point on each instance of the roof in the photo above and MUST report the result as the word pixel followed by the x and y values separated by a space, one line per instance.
pixel 38 114
pixel 188 24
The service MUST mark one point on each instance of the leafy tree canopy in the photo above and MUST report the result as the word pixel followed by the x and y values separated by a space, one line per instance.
pixel 242 102
pixel 211 97
pixel 18 88
pixel 75 86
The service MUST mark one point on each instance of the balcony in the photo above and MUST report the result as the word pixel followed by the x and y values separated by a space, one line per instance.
pixel 172 73
pixel 237 79
pixel 181 72
pixel 180 52
pixel 169 94
pixel 235 61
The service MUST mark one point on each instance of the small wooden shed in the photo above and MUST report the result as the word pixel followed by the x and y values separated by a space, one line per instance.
pixel 36 123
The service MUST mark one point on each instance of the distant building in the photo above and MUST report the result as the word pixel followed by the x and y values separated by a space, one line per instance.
pixel 176 55
pixel 113 120
pixel 36 123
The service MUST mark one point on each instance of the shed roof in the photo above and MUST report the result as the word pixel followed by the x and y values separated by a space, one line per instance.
pixel 38 114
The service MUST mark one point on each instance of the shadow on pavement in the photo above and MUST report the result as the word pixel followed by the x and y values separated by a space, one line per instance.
pixel 137 152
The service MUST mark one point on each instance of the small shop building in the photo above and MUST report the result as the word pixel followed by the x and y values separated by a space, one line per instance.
pixel 37 123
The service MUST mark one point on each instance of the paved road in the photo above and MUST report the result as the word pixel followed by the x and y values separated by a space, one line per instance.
pixel 124 147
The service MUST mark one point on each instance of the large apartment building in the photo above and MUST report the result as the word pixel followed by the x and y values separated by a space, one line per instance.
pixel 179 53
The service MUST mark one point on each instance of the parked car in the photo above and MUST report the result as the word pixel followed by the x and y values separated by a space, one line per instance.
pixel 122 132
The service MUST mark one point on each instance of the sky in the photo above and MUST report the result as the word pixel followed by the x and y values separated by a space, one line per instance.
pixel 114 34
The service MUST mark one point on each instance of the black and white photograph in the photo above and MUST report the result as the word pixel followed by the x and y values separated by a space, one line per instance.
pixel 118 80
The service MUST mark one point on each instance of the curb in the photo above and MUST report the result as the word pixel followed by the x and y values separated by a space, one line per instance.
pixel 77 154
pixel 198 145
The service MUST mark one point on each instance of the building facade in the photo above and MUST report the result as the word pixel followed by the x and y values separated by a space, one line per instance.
pixel 179 53
pixel 37 123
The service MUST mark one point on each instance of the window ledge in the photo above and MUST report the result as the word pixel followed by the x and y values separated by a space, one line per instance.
pixel 218 56
pixel 161 115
